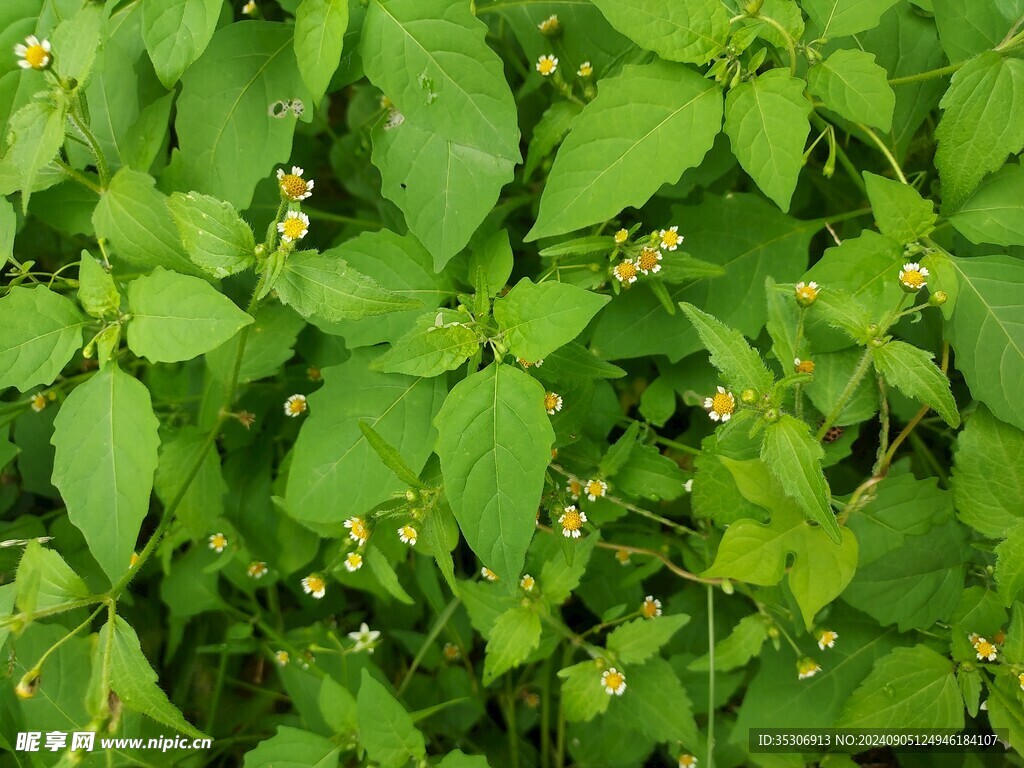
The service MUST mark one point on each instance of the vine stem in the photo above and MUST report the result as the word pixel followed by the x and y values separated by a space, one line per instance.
pixel 428 641
pixel 711 677
pixel 885 151
pixel 790 45
pixel 929 75
pixel 862 368
pixel 94 146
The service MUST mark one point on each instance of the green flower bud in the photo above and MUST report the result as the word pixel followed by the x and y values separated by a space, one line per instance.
pixel 938 298
pixel 748 396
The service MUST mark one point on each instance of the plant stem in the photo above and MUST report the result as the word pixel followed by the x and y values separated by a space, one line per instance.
pixel 74 175
pixel 929 75
pixel 711 677
pixel 435 630
pixel 94 146
pixel 862 367
pixel 790 44
pixel 885 151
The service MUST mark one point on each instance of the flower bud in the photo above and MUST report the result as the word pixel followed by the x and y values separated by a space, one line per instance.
pixel 938 298
pixel 771 415
pixel 29 684
pixel 751 7
pixel 748 396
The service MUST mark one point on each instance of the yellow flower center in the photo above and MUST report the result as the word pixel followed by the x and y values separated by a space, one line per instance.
pixel 575 487
pixel 1020 679
pixel 37 56
pixel 807 293
pixel 649 259
pixel 805 366
pixel 315 583
pixel 294 228
pixel 828 637
pixel 722 404
pixel 451 652
pixel 527 583
pixel 985 648
pixel 218 541
pixel 913 278
pixel 409 532
pixel 572 520
pixel 546 66
pixel 551 401
pixel 687 761
pixel 622 556
pixel 649 609
pixel 489 574
pixel 670 238
pixel 625 271
pixel 38 402
pixel 354 560
pixel 293 186
pixel 594 488
pixel 549 24
pixel 623 234
pixel 808 668
pixel 282 657
pixel 613 680
pixel 359 528
pixel 296 406
pixel 586 70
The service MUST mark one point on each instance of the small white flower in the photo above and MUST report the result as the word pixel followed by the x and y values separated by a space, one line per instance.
pixel 358 530
pixel 257 569
pixel 913 276
pixel 547 65
pixel 488 574
pixel 596 489
pixel 827 639
pixel 527 582
pixel 614 682
pixel 688 486
pixel 314 585
pixel 586 69
pixel 670 238
pixel 721 406
pixel 249 9
pixel 572 520
pixel 293 227
pixel 218 542
pixel 552 403
pixel 293 186
pixel 295 406
pixel 408 535
pixel 353 562
pixel 33 53
pixel 364 638
pixel 651 607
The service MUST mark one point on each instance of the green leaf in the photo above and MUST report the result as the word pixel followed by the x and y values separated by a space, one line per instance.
pixel 912 372
pixel 276 327
pixel 853 86
pixel 390 456
pixel 736 650
pixel 97 292
pixel 644 129
pixel 325 287
pixel 515 635
pixel 989 448
pixel 214 235
pixel 36 132
pixel 457 759
pixel 106 440
pixel 331 450
pixel 574 362
pixel 656 702
pixel 176 34
pixel 135 682
pixel 42 331
pixel 994 213
pixel 385 728
pixel 8 228
pixel 658 402
pixel 967 30
pixel 911 561
pixel 794 457
pixel 839 18
pixel 77 39
pixel 832 374
pixel 492 259
pixel 757 553
pixel 548 133
pixel 538 318
pixel 293 748
pixel 649 475
pixel 982 122
pixel 494 441
pixel 740 365
pixel 636 641
pixel 1010 564
pixel 559 577
pixel 862 274
pixel 44 580
pixel 693 32
pixel 133 216
pixel 766 121
pixel 909 688
pixel 583 696
pixel 202 500
pixel 176 317
pixel 899 209
pixel 320 27
pixel 227 139
pixel 431 59
pixel 385 575
pixel 985 330
pixel 444 188
pixel 439 342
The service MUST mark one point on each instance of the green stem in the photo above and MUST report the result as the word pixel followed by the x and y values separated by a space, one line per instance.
pixel 885 151
pixel 94 146
pixel 509 710
pixel 74 175
pixel 929 75
pixel 862 368
pixel 428 641
pixel 711 677
pixel 71 633
pixel 790 44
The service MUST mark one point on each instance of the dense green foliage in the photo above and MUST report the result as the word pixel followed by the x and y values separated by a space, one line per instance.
pixel 635 373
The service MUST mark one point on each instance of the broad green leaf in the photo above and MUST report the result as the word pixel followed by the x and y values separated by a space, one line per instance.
pixel 644 129
pixel 457 759
pixel 390 456
pixel 190 588
pixel 982 122
pixel 491 262
pixel 1010 564
pixel 757 553
pixel 42 331
pixel 231 124
pixel 325 287
pixel 844 311
pixel 548 133
pixel 583 696
pixel 293 748
pixel 693 32
pixel 559 577
pixel 7 596
pixel 853 86
pixel 77 39
pixel 8 228
pixel 967 30
pixel 658 402
pixel 36 133
pixel 431 59
pixel 909 688
pixel 636 641
pixel 494 441
pixel 538 318
pixel 902 214
pixel 97 292
pixel 515 635
pixel 987 332
pixel 839 18
pixel 44 580
pixel 444 188
pixel 649 475
pixel 338 707
pixel 135 682
pixel 385 575
pixel 994 213
pixel 832 374
pixel 657 703
pixel 912 372
pixel 574 362
pixel 132 215
pixel 106 440
pixel 619 451
pixel 912 555
pixel 332 459
pixel 175 317
pixel 743 233
pixel 439 342
pixel 201 502
pixel 274 332
pixel 176 33
pixel 766 121
pixel 736 650
pixel 320 27
pixel 865 268
pixel 385 729
pixel 214 235
pixel 794 457
pixel 400 265
pixel 740 365
pixel 485 603
pixel 989 448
